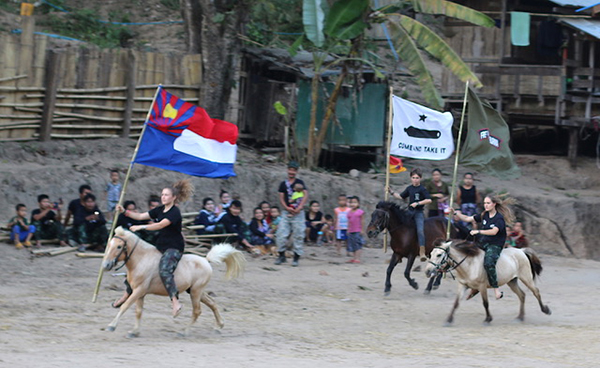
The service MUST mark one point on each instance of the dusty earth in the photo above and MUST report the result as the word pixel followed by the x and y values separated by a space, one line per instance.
pixel 324 313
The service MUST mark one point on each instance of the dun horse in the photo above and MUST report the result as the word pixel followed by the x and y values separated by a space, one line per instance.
pixel 399 223
pixel 192 274
pixel 466 259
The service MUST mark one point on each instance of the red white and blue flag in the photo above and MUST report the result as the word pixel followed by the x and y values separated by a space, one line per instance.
pixel 182 137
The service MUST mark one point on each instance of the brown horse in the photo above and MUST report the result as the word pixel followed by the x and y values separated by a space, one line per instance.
pixel 192 274
pixel 399 223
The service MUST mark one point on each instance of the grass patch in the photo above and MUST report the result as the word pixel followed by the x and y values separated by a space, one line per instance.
pixel 572 195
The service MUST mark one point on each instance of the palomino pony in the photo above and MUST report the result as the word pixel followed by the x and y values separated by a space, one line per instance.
pixel 466 259
pixel 399 223
pixel 192 274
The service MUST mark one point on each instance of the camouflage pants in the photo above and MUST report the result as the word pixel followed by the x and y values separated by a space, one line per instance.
pixel 53 230
pixel 81 235
pixel 166 269
pixel 492 253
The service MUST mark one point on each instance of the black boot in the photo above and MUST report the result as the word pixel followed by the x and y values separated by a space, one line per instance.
pixel 295 261
pixel 281 258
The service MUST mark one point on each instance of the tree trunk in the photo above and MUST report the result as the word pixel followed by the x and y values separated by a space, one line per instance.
pixel 212 29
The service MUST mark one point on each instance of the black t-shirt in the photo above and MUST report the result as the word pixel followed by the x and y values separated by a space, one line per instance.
pixel 49 218
pixel 468 195
pixel 490 223
pixel 170 236
pixel 127 222
pixel 91 225
pixel 415 194
pixel 233 224
pixel 288 189
pixel 78 212
pixel 318 217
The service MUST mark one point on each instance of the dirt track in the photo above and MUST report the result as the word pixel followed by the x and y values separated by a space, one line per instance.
pixel 324 313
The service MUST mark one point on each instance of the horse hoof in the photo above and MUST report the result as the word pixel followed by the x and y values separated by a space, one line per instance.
pixel 435 287
pixel 487 321
pixel 427 292
pixel 110 328
pixel 546 310
pixel 447 324
pixel 132 335
pixel 415 285
pixel 386 293
pixel 519 319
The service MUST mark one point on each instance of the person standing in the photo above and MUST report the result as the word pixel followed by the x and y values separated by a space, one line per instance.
pixel 292 219
pixel 170 241
pixel 356 227
pixel 496 216
pixel 467 197
pixel 418 197
pixel 439 192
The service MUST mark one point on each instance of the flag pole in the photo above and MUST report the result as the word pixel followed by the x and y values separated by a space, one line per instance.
pixel 125 182
pixel 387 159
pixel 457 153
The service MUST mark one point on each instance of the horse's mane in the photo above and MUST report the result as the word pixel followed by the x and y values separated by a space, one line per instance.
pixel 468 248
pixel 401 213
pixel 131 236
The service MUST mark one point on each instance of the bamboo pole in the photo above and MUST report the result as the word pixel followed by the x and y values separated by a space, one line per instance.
pixel 51 81
pixel 387 158
pixel 457 153
pixel 13 78
pixel 125 182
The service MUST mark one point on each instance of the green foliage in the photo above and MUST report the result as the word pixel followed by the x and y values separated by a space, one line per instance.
pixel 275 23
pixel 9 6
pixel 83 24
pixel 281 110
pixel 345 19
pixel 171 4
pixel 313 18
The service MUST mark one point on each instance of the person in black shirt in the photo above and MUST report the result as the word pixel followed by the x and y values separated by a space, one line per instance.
pixel 418 197
pixel 89 226
pixel 170 240
pixel 232 223
pixel 76 205
pixel 47 221
pixel 494 219
pixel 292 218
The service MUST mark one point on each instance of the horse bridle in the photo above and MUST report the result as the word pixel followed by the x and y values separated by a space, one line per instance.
pixel 124 250
pixel 386 221
pixel 444 266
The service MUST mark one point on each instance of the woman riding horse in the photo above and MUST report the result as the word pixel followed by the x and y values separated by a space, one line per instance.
pixel 170 240
pixel 495 218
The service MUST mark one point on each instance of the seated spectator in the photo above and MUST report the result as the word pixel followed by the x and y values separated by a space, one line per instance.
pixel 516 237
pixel 261 233
pixel 89 229
pixel 266 208
pixel 329 229
pixel 314 221
pixel 76 205
pixel 232 223
pixel 225 199
pixel 20 230
pixel 153 202
pixel 208 218
pixel 275 218
pixel 46 220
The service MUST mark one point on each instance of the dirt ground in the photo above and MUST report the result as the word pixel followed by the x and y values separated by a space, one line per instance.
pixel 325 312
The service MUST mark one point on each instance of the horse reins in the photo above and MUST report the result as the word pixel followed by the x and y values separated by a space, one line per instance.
pixel 127 254
pixel 438 268
pixel 386 220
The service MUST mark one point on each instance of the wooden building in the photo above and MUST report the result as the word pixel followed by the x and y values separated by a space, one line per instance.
pixel 538 66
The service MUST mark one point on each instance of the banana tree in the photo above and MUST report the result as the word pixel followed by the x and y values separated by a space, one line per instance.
pixel 343 27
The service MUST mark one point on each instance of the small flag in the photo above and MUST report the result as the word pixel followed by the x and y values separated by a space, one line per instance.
pixel 420 132
pixel 396 165
pixel 182 137
pixel 487 145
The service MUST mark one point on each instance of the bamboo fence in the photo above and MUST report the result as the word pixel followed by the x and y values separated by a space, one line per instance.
pixel 84 92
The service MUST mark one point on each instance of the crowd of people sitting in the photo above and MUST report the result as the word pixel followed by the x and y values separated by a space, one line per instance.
pixel 345 228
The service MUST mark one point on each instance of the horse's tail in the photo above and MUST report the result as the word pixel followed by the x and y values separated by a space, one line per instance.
pixel 534 261
pixel 234 259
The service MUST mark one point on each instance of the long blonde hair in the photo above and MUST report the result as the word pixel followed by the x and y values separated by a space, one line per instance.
pixel 502 203
pixel 182 190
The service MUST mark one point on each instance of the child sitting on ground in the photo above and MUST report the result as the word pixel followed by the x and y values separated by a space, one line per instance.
pixel 47 221
pixel 329 229
pixel 20 230
pixel 516 237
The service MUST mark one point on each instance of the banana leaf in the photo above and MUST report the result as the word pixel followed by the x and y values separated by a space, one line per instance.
pixel 313 17
pixel 409 52
pixel 437 47
pixel 450 9
pixel 345 19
